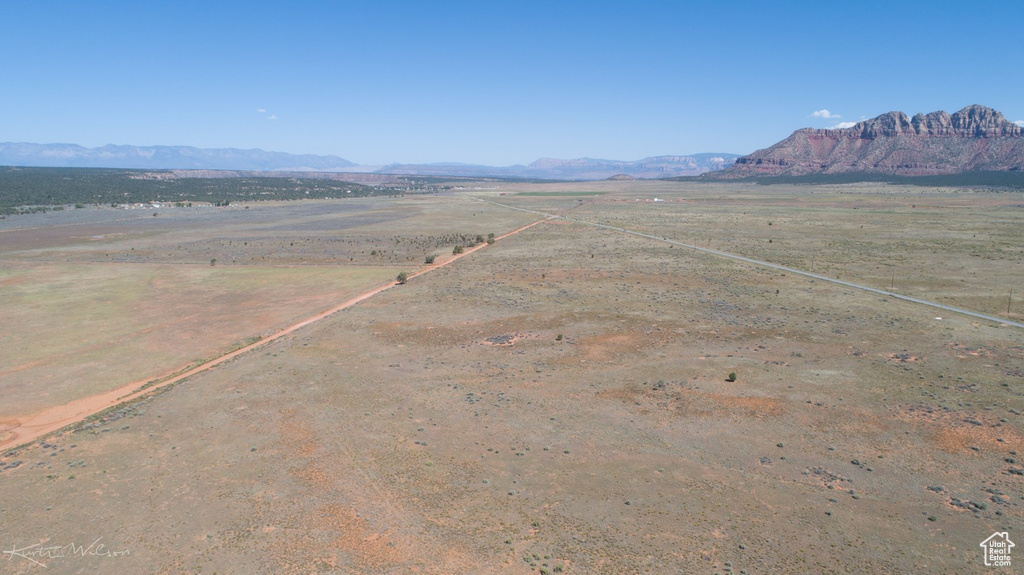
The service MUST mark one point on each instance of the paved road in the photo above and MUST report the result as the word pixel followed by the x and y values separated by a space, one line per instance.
pixel 933 304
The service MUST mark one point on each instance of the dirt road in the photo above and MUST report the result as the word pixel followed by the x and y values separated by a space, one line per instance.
pixel 35 426
pixel 786 269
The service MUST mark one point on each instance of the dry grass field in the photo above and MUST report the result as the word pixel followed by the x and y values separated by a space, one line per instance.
pixel 558 402
pixel 77 330
pixel 959 247
pixel 97 299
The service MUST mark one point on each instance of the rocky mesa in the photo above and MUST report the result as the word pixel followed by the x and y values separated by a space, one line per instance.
pixel 976 138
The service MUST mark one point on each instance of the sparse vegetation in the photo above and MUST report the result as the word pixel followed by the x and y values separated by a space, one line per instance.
pixel 638 391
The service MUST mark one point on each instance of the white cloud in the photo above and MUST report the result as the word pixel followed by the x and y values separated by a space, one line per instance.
pixel 271 117
pixel 824 114
pixel 261 111
pixel 844 125
pixel 1020 123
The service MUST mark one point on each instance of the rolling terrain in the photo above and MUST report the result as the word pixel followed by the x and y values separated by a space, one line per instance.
pixel 557 402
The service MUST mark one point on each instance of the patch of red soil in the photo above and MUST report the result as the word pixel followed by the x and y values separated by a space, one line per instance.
pixel 372 550
pixel 959 432
pixel 963 351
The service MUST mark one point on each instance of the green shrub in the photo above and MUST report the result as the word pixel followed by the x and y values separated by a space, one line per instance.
pixel 732 376
pixel 429 259
pixel 402 277
pixel 458 250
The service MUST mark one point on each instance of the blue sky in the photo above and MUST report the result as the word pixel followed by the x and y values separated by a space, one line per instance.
pixel 492 82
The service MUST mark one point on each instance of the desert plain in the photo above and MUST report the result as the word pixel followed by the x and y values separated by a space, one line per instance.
pixel 568 399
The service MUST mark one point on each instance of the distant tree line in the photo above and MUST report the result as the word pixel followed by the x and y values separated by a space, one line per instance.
pixel 31 189
pixel 1011 180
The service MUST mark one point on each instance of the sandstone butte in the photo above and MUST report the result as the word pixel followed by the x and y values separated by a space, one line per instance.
pixel 976 138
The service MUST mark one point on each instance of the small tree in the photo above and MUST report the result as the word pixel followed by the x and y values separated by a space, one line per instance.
pixel 732 376
pixel 429 259
pixel 213 262
pixel 402 277
pixel 457 250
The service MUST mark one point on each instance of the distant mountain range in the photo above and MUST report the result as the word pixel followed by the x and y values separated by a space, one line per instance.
pixel 189 158
pixel 578 169
pixel 974 139
pixel 163 158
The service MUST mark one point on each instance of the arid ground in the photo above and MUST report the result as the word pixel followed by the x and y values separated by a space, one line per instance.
pixel 557 402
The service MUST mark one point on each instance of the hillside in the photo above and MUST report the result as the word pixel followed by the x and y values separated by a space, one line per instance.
pixel 976 138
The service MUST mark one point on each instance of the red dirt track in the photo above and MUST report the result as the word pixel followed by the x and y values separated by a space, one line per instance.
pixel 47 421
